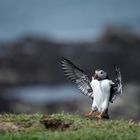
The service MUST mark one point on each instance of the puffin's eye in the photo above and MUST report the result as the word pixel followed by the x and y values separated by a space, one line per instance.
pixel 101 72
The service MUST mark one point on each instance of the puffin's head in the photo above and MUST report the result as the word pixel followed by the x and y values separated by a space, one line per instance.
pixel 100 75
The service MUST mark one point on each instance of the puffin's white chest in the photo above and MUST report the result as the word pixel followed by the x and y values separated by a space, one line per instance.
pixel 101 90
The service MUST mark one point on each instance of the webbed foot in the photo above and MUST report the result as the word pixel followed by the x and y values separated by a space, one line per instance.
pixel 89 114
pixel 99 116
pixel 102 116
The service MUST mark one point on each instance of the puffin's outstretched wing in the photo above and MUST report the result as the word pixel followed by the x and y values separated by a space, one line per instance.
pixel 116 89
pixel 77 76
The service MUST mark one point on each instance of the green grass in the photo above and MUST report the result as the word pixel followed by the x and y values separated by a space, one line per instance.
pixel 65 127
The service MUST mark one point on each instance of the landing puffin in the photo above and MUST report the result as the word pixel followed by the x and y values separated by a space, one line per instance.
pixel 100 89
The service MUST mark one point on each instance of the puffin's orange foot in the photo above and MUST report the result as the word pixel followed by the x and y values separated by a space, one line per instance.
pixel 99 116
pixel 89 114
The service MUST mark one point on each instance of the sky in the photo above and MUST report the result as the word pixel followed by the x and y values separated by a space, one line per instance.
pixel 66 19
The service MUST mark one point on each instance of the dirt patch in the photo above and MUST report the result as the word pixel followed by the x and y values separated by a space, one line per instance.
pixel 10 127
pixel 57 123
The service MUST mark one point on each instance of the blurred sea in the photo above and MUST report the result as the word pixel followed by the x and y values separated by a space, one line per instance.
pixel 43 94
pixel 65 20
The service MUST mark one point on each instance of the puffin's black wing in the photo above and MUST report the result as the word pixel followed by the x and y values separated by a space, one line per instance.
pixel 116 89
pixel 77 76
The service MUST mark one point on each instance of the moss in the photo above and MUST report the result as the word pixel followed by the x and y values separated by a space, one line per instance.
pixel 65 127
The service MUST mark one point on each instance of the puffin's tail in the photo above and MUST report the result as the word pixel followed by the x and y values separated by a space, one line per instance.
pixel 106 116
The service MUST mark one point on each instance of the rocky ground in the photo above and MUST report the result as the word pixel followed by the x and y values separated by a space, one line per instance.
pixel 33 60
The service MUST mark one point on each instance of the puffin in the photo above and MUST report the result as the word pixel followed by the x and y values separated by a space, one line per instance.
pixel 100 89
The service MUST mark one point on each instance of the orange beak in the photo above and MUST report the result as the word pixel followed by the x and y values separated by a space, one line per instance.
pixel 95 76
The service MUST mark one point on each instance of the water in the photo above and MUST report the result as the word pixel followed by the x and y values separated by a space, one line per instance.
pixel 43 94
pixel 65 20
